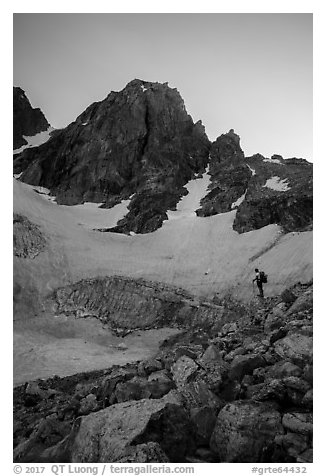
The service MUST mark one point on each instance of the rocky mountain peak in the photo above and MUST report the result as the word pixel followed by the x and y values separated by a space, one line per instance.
pixel 27 121
pixel 226 148
pixel 139 141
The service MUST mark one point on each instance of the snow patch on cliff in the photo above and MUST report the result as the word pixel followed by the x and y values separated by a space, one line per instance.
pixel 187 206
pixel 276 183
pixel 36 140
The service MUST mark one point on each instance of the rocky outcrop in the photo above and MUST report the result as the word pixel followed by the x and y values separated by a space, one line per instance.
pixel 138 142
pixel 262 191
pixel 27 120
pixel 28 239
pixel 229 175
pixel 233 394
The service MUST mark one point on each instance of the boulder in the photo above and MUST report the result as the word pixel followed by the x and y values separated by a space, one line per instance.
pixel 136 388
pixel 108 435
pixel 211 354
pixel 303 303
pixel 288 297
pixel 252 391
pixel 230 390
pixel 49 432
pixel 197 394
pixel 297 384
pixel 183 370
pixel 296 348
pixel 144 453
pixel 244 430
pixel 109 383
pixel 274 320
pixel 292 443
pixel 277 335
pixel 88 404
pixel 229 328
pixel 298 422
pixel 308 373
pixel 273 390
pixel 34 394
pixel 283 369
pixel 213 374
pixel 160 376
pixel 203 419
pixel 307 399
pixel 84 389
pixel 245 364
pixel 146 367
pixel 238 351
pixel 296 388
pixel 306 456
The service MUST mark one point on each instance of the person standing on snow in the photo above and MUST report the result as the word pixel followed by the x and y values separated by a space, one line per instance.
pixel 259 282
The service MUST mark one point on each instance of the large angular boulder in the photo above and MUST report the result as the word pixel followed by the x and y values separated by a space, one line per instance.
pixel 48 433
pixel 293 443
pixel 282 369
pixel 244 365
pixel 296 348
pixel 244 431
pixel 297 422
pixel 203 419
pixel 197 394
pixel 110 434
pixel 184 370
pixel 105 392
pixel 303 303
pixel 135 389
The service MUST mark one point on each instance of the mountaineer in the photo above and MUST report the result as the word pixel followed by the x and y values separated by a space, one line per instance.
pixel 260 278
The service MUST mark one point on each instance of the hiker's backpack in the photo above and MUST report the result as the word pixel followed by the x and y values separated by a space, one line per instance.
pixel 263 277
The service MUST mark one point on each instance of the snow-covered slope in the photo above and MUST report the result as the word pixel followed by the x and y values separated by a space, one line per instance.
pixel 202 255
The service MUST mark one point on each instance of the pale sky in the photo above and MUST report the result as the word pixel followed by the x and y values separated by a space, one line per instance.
pixel 248 72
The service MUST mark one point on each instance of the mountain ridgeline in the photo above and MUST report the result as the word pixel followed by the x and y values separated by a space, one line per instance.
pixel 141 144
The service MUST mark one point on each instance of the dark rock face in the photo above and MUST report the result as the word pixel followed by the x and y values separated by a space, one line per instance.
pixel 268 190
pixel 27 121
pixel 138 141
pixel 229 175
